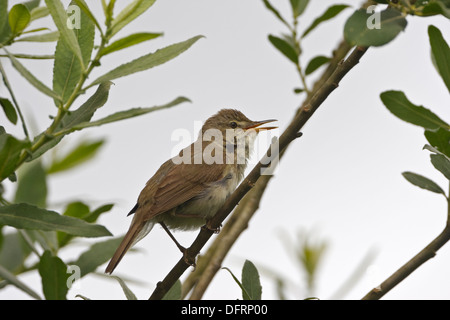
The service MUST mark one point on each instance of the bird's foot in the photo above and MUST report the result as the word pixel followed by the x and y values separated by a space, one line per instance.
pixel 188 259
pixel 208 226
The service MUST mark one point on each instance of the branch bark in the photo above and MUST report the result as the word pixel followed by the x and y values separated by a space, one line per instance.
pixel 289 135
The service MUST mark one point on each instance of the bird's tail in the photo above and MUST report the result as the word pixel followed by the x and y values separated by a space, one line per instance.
pixel 136 232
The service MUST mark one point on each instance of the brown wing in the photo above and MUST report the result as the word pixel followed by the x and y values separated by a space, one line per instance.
pixel 179 183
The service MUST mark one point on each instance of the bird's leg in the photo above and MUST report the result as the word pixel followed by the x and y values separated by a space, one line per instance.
pixel 183 250
pixel 208 226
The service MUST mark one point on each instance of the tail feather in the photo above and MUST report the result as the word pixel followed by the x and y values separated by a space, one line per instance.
pixel 127 243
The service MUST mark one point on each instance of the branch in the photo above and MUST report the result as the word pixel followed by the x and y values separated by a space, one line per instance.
pixel 289 135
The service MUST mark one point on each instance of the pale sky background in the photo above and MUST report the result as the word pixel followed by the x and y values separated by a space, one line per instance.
pixel 341 182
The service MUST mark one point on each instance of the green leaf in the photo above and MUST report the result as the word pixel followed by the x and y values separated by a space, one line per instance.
pixel 128 293
pixel 67 70
pixel 12 279
pixel 131 113
pixel 250 281
pixel 148 61
pixel 67 33
pixel 13 251
pixel 441 163
pixel 25 216
pixel 422 182
pixel 53 272
pixel 5 30
pixel 439 139
pixel 245 295
pixel 83 152
pixel 441 53
pixel 32 185
pixel 285 48
pixel 39 12
pixel 10 150
pixel 9 110
pixel 298 7
pixel 437 7
pixel 330 13
pixel 82 114
pixel 400 106
pixel 87 12
pixel 316 63
pixel 32 4
pixel 129 41
pixel 18 18
pixel 374 29
pixel 130 13
pixel 96 255
pixel 174 293
pixel 46 37
pixel 30 77
pixel 275 12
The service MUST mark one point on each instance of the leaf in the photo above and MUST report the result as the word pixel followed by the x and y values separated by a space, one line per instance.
pixel 87 12
pixel 374 29
pixel 10 150
pixel 298 7
pixel 32 185
pixel 330 13
pixel 437 7
pixel 83 152
pixel 441 163
pixel 25 216
pixel 96 255
pixel 9 110
pixel 439 139
pixel 250 281
pixel 131 113
pixel 245 295
pixel 400 106
pixel 422 182
pixel 441 53
pixel 46 37
pixel 275 12
pixel 53 272
pixel 13 251
pixel 5 30
pixel 129 41
pixel 82 114
pixel 148 61
pixel 316 63
pixel 174 293
pixel 67 70
pixel 30 77
pixel 285 48
pixel 12 279
pixel 128 293
pixel 61 20
pixel 130 13
pixel 38 13
pixel 18 18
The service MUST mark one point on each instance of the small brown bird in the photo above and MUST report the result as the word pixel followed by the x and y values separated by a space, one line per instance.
pixel 188 189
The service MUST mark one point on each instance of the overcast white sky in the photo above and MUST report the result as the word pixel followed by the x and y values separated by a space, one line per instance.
pixel 341 182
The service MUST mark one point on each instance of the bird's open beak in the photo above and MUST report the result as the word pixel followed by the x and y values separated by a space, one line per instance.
pixel 255 125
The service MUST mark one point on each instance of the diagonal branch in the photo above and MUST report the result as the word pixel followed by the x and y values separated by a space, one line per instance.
pixel 289 135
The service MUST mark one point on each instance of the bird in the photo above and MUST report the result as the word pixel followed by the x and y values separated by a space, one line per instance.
pixel 188 189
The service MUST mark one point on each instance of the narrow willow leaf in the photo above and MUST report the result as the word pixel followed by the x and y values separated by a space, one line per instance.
pixel 18 18
pixel 32 185
pixel 5 30
pixel 439 139
pixel 441 53
pixel 67 70
pixel 330 13
pixel 31 78
pixel 285 48
pixel 67 33
pixel 128 293
pixel 129 41
pixel 148 61
pixel 174 293
pixel 275 12
pixel 423 182
pixel 131 113
pixel 298 7
pixel 96 255
pixel 12 279
pixel 88 12
pixel 441 163
pixel 46 37
pixel 315 64
pixel 130 13
pixel 245 294
pixel 54 276
pixel 250 281
pixel 9 110
pixel 25 216
pixel 397 103
pixel 10 150
pixel 39 12
pixel 374 29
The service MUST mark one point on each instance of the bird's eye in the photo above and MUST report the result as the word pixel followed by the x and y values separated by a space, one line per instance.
pixel 233 124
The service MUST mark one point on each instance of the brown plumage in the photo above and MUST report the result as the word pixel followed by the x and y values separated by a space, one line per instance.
pixel 184 195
